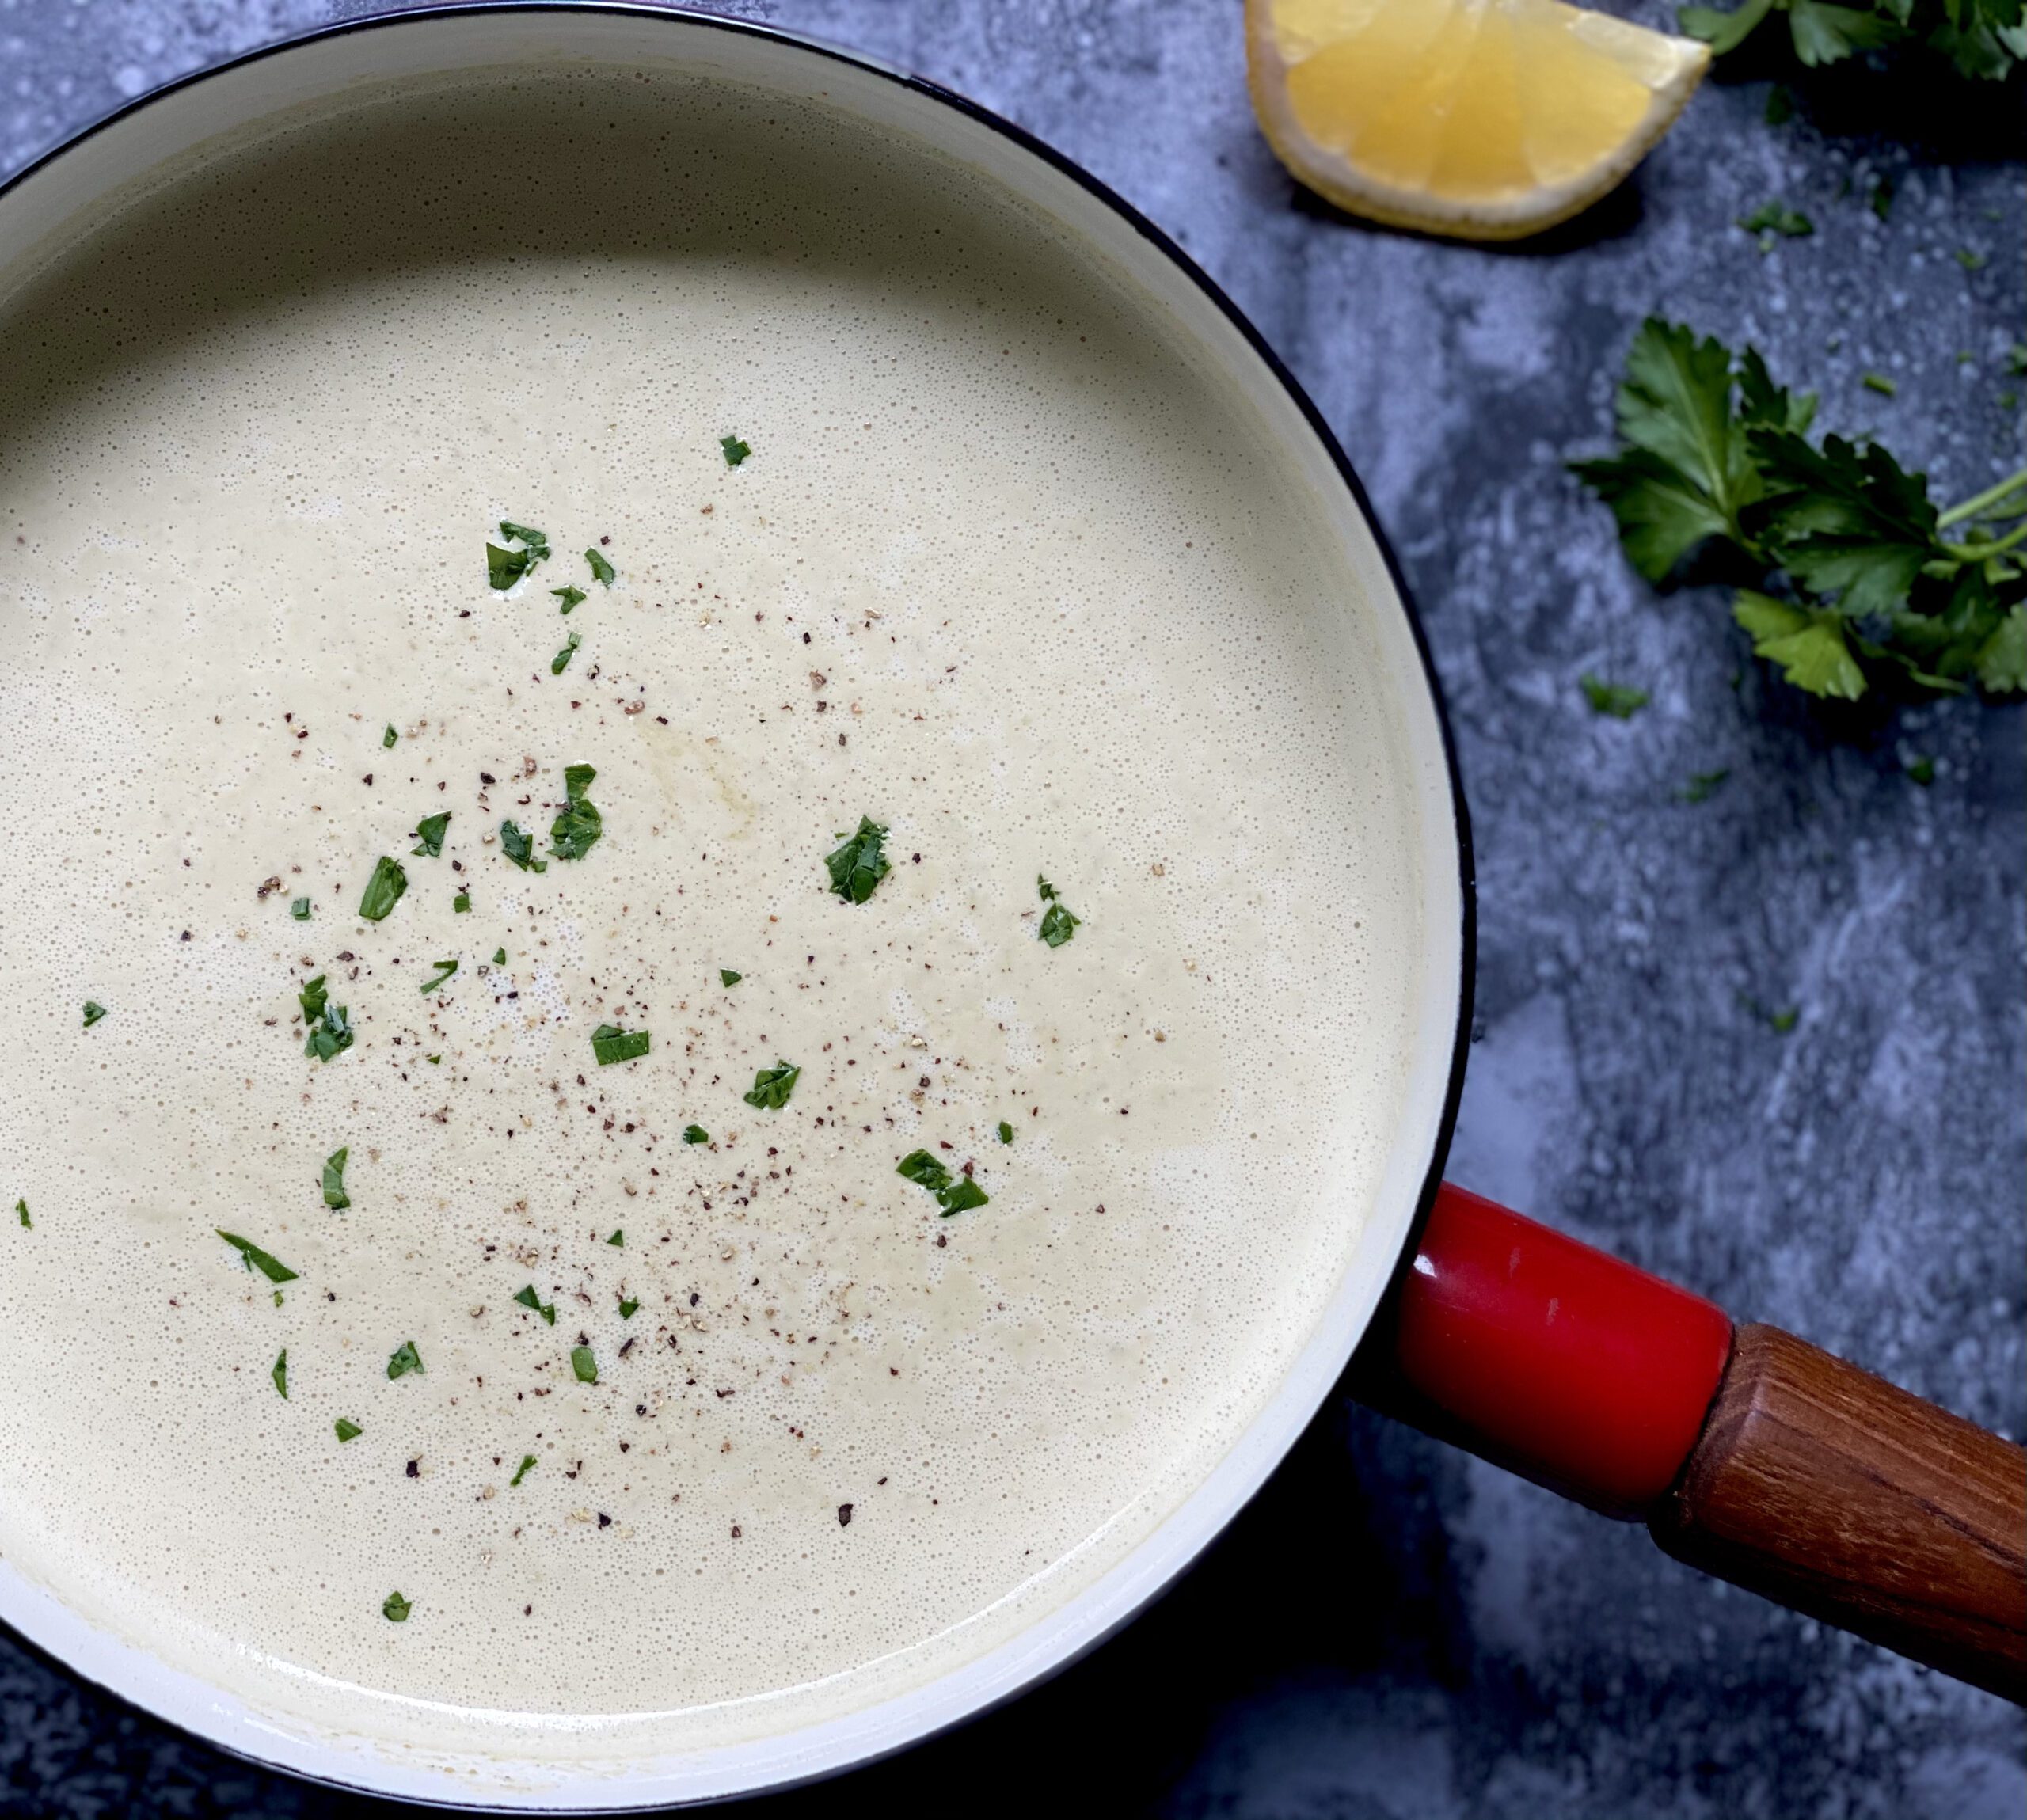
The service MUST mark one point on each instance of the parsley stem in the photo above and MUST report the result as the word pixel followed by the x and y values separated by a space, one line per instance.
pixel 1990 496
pixel 1977 552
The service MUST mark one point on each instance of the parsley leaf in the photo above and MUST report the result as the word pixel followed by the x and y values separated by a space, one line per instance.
pixel 93 1013
pixel 575 831
pixel 628 1310
pixel 383 889
pixel 520 848
pixel 860 864
pixel 346 1429
pixel 444 970
pixel 395 1608
pixel 334 1178
pixel 1855 578
pixel 299 909
pixel 404 1359
pixel 609 1044
pixel 728 978
pixel 695 1135
pixel 1005 1132
pixel 560 661
pixel 1613 699
pixel 570 597
pixel 618 1236
pixel 251 1254
pixel 585 1364
pixel 537 541
pixel 735 450
pixel 461 904
pixel 601 571
pixel 1703 785
pixel 1984 39
pixel 429 834
pixel 499 957
pixel 521 1471
pixel 388 735
pixel 21 1210
pixel 279 1372
pixel 527 1298
pixel 772 1086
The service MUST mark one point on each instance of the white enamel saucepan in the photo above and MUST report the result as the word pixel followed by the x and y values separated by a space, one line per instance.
pixel 1746 1451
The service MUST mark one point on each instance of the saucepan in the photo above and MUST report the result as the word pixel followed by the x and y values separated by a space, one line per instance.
pixel 1746 1451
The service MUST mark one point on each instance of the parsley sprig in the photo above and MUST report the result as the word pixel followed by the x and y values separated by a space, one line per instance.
pixel 1857 580
pixel 1983 38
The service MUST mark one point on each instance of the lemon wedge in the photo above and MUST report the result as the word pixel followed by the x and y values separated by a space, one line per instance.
pixel 1486 119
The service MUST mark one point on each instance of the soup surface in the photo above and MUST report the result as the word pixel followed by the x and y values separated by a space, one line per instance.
pixel 573 1392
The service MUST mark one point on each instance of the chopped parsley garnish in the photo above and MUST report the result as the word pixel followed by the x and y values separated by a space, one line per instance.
pixel 329 1030
pixel 334 1178
pixel 521 1471
pixel 695 1135
pixel 601 571
pixel 1005 1132
pixel 570 597
pixel 961 1195
pixel 609 1044
pixel 1704 784
pixel 1784 1020
pixel 772 1086
pixel 735 450
pixel 925 1170
pixel 383 889
pixel 433 1060
pixel 461 904
pixel 527 1298
pixel 251 1254
pixel 395 1608
pixel 444 970
pixel 627 1309
pixel 1058 925
pixel 520 848
pixel 1880 383
pixel 505 567
pixel 499 957
pixel 299 909
pixel 347 1429
pixel 1618 700
pixel 728 978
pixel 859 864
pixel 1981 37
pixel 585 1364
pixel 1922 770
pixel 404 1359
pixel 92 1012
pixel 388 735
pixel 1773 218
pixel 575 831
pixel 429 834
pixel 560 661
pixel 618 1236
pixel 953 1193
pixel 21 1207
pixel 279 1374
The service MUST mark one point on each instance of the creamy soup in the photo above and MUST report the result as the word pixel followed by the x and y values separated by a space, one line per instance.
pixel 558 1391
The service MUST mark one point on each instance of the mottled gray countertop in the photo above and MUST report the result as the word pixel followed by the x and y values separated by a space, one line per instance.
pixel 1860 1179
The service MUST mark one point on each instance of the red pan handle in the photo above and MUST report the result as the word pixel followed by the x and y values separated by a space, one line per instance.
pixel 1747 1452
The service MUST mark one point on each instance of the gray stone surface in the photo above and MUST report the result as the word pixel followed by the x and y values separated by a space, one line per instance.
pixel 1860 1179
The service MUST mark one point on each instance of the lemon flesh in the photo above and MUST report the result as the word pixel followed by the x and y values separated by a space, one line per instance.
pixel 1484 118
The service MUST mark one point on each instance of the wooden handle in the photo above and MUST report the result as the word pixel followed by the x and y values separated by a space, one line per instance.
pixel 1818 1485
